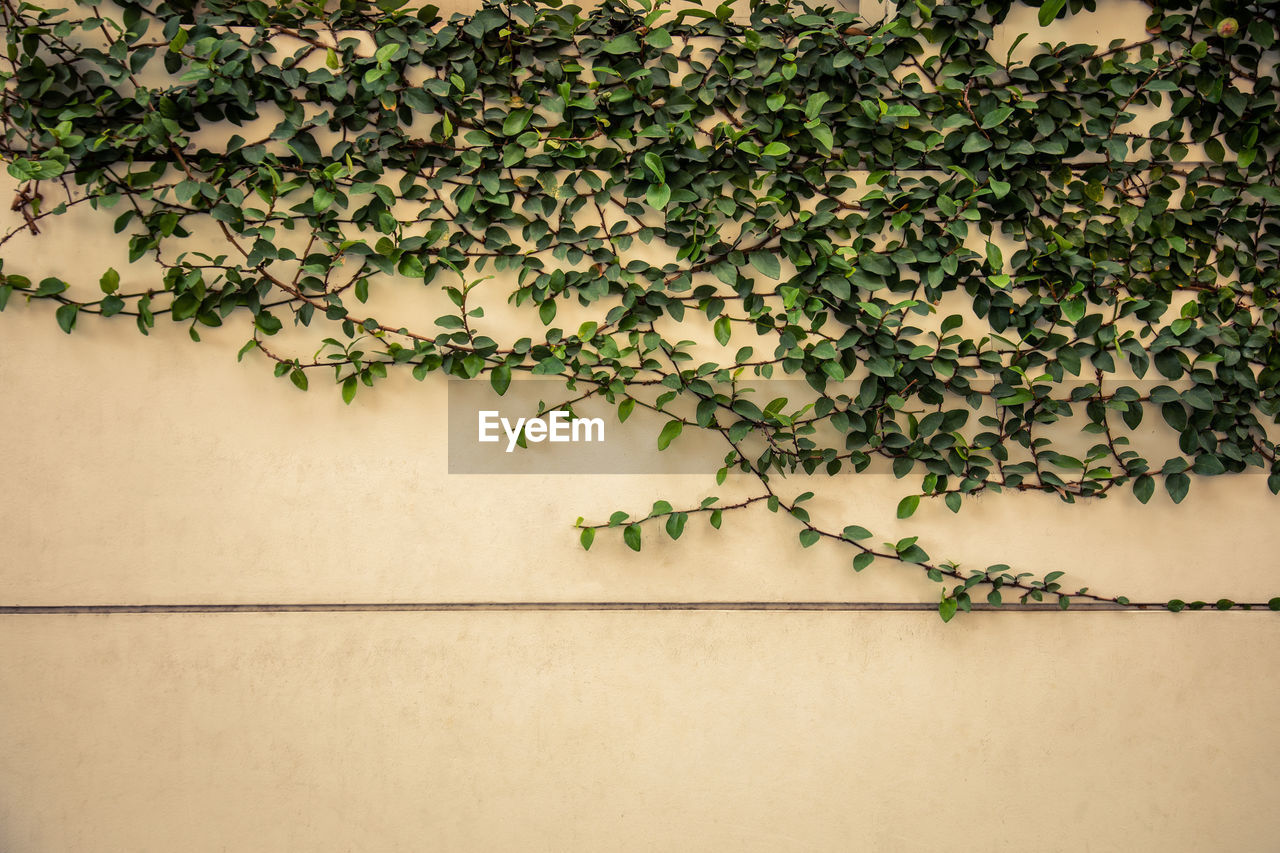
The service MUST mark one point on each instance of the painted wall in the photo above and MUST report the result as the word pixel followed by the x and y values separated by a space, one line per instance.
pixel 569 730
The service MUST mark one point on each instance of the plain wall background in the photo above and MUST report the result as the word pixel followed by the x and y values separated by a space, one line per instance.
pixel 161 471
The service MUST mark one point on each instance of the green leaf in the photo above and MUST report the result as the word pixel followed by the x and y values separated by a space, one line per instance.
pixel 996 117
pixel 669 433
pixel 110 281
pixel 66 316
pixel 658 195
pixel 863 560
pixel 947 608
pixel 855 533
pixel 625 43
pixel 631 536
pixel 625 408
pixel 588 536
pixel 675 524
pixel 35 170
pixel 1018 397
pixel 654 164
pixel 659 38
pixel 1049 10
pixel 722 329
pixel 1144 487
pixel 547 312
pixel 809 537
pixel 516 121
pixel 298 378
pixel 304 147
pixel 385 53
pixel 995 258
pixel 349 387
pixel 1073 309
pixel 500 379
pixel 1177 485
pixel 776 149
pixel 767 264
pixel 908 505
pixel 549 366
pixel 49 287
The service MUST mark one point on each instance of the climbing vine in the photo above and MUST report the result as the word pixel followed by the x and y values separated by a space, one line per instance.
pixel 991 266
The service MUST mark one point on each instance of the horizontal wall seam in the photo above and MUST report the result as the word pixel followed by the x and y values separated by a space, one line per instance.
pixel 574 606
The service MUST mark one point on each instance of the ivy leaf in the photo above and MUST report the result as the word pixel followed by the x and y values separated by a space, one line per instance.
pixel 547 312
pixel 625 408
pixel 1177 485
pixel 549 366
pixel 110 281
pixel 722 329
pixel 995 258
pixel 516 121
pixel 669 433
pixel 1073 309
pixel 66 316
pixel 947 608
pixel 304 146
pixel 631 536
pixel 767 264
pixel 659 38
pixel 996 117
pixel 500 379
pixel 824 137
pixel 1144 487
pixel 1049 10
pixel 625 43
pixel 658 195
pixel 35 170
pixel 654 164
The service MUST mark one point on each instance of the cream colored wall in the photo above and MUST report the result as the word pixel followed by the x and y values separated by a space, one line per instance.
pixel 161 471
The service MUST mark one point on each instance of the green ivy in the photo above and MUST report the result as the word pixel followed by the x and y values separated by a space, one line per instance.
pixel 969 258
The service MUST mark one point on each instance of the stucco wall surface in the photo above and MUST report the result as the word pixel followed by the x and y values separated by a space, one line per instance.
pixel 144 471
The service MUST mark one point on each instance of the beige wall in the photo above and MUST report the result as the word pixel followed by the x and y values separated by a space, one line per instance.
pixel 637 731
pixel 160 471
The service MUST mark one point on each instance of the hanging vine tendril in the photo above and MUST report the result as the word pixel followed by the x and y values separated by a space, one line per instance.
pixel 972 259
